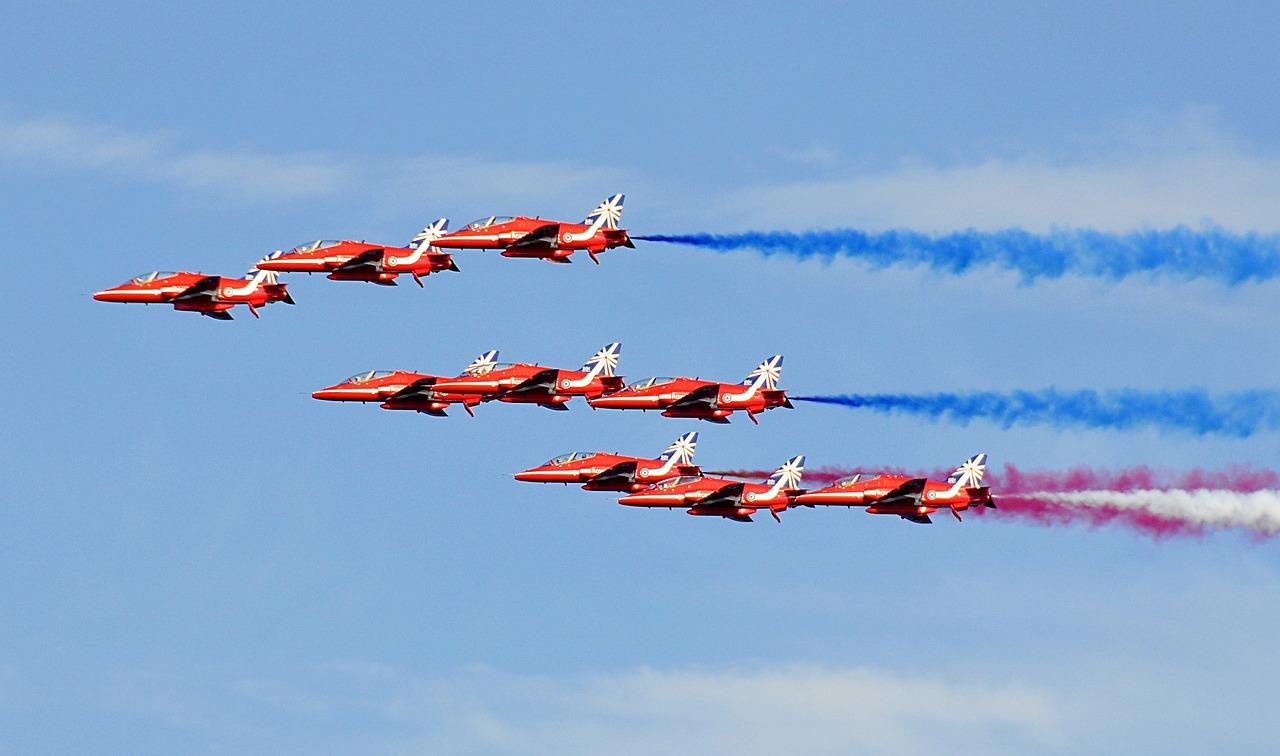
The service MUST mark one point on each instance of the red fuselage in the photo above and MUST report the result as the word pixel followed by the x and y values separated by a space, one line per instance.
pixel 871 492
pixel 528 383
pixel 348 260
pixel 523 236
pixel 606 471
pixel 194 292
pixel 386 387
pixel 674 398
pixel 689 493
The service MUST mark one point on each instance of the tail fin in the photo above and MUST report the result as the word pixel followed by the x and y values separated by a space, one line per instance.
pixel 766 375
pixel 681 450
pixel 483 364
pixel 430 234
pixel 969 474
pixel 787 476
pixel 607 213
pixel 605 361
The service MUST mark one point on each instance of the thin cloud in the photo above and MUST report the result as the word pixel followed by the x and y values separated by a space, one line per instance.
pixel 53 143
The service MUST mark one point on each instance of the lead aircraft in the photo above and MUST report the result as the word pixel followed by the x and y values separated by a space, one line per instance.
pixel 211 296
pixel 380 264
pixel 405 389
pixel 703 400
pixel 912 499
pixel 720 497
pixel 611 471
pixel 554 241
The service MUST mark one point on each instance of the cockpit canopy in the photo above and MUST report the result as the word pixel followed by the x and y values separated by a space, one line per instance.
pixel 313 246
pixel 680 481
pixel 153 275
pixel 857 478
pixel 369 375
pixel 567 458
pixel 492 220
pixel 648 382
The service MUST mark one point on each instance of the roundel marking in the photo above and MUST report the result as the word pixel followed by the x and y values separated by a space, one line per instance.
pixel 751 496
pixel 564 383
pixel 393 260
pixel 932 495
pixel 726 398
pixel 567 237
pixel 226 291
pixel 644 473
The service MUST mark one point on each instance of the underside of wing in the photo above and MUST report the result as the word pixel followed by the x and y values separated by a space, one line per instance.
pixel 623 472
pixel 730 495
pixel 907 493
pixel 540 236
pixel 205 288
pixel 542 382
pixel 419 389
pixel 703 396
pixel 370 258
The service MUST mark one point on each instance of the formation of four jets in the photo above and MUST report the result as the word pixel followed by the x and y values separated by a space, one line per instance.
pixel 671 480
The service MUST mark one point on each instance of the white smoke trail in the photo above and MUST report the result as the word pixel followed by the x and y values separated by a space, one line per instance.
pixel 1258 511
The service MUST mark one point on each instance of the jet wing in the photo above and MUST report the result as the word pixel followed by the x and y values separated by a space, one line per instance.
pixel 907 493
pixel 205 288
pixel 366 259
pixel 539 237
pixel 420 388
pixel 542 382
pixel 730 495
pixel 702 396
pixel 623 472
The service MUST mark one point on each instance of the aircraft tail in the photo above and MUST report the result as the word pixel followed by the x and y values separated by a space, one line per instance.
pixel 607 214
pixel 430 233
pixel 681 450
pixel 483 364
pixel 605 361
pixel 766 375
pixel 969 474
pixel 788 476
pixel 268 277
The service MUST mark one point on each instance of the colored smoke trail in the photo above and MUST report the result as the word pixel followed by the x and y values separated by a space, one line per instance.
pixel 1238 414
pixel 1183 252
pixel 1158 503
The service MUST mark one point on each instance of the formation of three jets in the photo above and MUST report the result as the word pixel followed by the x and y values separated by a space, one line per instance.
pixel 486 380
pixel 673 481
pixel 349 260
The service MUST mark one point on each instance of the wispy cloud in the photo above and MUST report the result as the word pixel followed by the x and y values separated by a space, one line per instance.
pixel 1138 175
pixel 765 710
pixel 53 143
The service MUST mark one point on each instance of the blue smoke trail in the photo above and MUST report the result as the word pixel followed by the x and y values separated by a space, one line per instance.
pixel 1210 253
pixel 1239 414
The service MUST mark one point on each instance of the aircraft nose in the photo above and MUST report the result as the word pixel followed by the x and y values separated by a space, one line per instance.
pixel 330 393
pixel 106 295
pixel 528 476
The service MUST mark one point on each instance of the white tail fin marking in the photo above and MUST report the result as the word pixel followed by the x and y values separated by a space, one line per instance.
pixel 483 364
pixel 787 476
pixel 969 474
pixel 680 452
pixel 608 213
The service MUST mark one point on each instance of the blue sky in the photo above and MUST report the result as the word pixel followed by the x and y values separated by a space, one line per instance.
pixel 200 558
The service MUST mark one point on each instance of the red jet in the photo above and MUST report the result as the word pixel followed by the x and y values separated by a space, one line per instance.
pixel 704 400
pixel 610 471
pixel 554 241
pixel 361 261
pixel 211 296
pixel 719 497
pixel 911 499
pixel 404 389
pixel 526 383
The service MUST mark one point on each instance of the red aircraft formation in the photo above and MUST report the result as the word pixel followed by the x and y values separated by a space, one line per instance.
pixel 671 480
pixel 670 486
pixel 486 380
pixel 381 264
